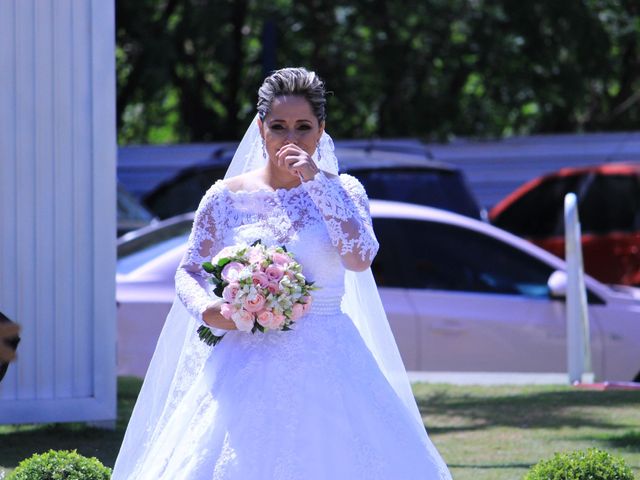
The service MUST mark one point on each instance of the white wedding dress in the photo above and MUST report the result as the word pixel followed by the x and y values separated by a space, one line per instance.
pixel 310 403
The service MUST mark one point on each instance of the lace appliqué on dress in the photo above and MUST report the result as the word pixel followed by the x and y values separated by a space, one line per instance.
pixel 203 243
pixel 344 204
pixel 340 203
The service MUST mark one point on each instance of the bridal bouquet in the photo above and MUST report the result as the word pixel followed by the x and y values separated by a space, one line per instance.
pixel 263 288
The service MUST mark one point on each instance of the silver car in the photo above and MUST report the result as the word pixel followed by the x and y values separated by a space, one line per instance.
pixel 460 295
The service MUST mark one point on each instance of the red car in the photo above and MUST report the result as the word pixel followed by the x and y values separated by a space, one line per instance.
pixel 609 209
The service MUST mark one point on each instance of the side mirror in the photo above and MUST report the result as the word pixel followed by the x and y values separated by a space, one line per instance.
pixel 557 284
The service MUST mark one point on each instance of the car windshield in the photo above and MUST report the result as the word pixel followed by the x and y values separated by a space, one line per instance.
pixel 130 209
pixel 143 246
pixel 611 203
pixel 132 261
pixel 606 203
pixel 436 188
pixel 401 176
pixel 183 193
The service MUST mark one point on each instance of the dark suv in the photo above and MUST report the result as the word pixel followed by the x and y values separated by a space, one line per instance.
pixel 389 170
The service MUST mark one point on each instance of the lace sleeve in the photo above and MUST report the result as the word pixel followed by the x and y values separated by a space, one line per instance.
pixel 345 208
pixel 203 244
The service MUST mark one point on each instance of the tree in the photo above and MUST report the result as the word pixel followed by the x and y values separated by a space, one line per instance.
pixel 189 70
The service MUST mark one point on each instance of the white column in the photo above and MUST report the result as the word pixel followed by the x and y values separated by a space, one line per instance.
pixel 58 208
pixel 578 336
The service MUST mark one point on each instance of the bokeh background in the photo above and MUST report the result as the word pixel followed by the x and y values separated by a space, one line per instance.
pixel 189 70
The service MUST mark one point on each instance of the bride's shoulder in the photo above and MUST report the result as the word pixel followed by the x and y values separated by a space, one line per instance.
pixel 232 184
pixel 348 182
pixel 343 178
pixel 351 183
pixel 246 182
pixel 216 191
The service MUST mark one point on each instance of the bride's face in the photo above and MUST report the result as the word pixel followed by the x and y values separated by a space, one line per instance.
pixel 290 120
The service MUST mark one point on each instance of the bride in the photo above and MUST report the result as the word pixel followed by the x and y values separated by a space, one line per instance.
pixel 327 400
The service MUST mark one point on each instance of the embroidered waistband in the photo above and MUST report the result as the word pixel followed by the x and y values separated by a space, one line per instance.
pixel 326 305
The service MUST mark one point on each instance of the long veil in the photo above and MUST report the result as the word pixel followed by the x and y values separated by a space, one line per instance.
pixel 179 355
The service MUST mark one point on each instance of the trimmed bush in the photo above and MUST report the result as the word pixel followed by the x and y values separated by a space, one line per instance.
pixel 592 464
pixel 60 465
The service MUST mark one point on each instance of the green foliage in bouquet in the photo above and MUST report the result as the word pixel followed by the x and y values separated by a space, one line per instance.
pixel 60 465
pixel 591 464
pixel 207 336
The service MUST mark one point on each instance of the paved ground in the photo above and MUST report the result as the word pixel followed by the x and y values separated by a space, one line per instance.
pixel 478 378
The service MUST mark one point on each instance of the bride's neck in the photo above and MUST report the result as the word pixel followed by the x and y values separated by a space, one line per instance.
pixel 277 178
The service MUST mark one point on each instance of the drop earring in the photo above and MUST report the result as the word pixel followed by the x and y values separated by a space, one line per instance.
pixel 318 150
pixel 264 151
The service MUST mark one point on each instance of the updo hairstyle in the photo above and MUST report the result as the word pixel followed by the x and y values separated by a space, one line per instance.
pixel 293 81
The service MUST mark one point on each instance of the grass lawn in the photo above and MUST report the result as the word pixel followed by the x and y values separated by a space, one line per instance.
pixel 482 432
pixel 499 432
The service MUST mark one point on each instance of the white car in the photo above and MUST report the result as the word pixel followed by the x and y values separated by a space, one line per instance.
pixel 460 295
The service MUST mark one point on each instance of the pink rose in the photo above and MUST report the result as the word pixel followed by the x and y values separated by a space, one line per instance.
pixel 260 279
pixel 306 307
pixel 231 270
pixel 227 310
pixel 274 287
pixel 280 258
pixel 243 320
pixel 297 311
pixel 278 321
pixel 265 318
pixel 274 272
pixel 254 304
pixel 230 292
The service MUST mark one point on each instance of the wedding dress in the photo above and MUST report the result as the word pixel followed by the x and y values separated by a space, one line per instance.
pixel 311 403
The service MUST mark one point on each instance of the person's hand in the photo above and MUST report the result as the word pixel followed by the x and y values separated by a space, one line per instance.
pixel 8 331
pixel 297 161
pixel 214 318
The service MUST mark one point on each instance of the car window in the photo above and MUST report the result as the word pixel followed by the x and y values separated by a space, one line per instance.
pixel 432 255
pixel 610 203
pixel 183 193
pixel 137 259
pixel 130 209
pixel 540 211
pixel 154 237
pixel 606 203
pixel 437 188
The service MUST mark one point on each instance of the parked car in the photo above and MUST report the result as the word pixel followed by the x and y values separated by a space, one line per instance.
pixel 460 294
pixel 401 171
pixel 609 208
pixel 131 215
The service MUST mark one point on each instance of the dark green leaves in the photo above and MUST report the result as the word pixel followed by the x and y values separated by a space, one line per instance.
pixel 439 69
pixel 217 291
pixel 222 262
pixel 207 336
pixel 208 267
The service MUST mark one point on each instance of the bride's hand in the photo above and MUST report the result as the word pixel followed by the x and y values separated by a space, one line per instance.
pixel 297 161
pixel 214 318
